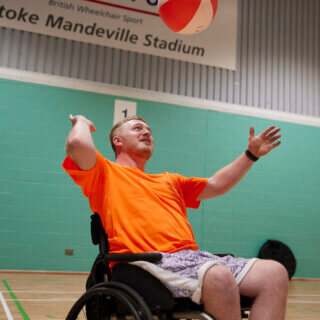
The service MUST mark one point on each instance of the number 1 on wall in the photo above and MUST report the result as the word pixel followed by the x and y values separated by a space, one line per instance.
pixel 123 109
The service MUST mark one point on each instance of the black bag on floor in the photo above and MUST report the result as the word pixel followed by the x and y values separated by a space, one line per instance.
pixel 277 250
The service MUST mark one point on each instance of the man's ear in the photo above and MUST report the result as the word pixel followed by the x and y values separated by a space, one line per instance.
pixel 117 141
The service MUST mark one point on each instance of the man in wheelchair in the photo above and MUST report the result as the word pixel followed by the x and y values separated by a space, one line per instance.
pixel 143 212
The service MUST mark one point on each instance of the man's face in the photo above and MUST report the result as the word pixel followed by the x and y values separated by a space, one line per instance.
pixel 136 138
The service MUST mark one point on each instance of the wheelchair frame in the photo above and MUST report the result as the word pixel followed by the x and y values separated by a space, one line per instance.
pixel 130 291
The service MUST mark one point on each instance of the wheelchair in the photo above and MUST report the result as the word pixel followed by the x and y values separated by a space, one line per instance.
pixel 131 292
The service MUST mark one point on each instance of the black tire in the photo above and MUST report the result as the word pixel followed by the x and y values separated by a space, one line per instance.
pixel 110 299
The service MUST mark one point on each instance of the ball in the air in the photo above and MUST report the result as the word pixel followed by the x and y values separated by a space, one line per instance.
pixel 187 16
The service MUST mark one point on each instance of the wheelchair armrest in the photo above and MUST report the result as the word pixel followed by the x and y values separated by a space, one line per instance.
pixel 130 257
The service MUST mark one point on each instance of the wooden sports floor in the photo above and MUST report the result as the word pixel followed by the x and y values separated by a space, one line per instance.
pixel 50 296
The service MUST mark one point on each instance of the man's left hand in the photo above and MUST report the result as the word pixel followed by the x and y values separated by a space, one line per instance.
pixel 263 143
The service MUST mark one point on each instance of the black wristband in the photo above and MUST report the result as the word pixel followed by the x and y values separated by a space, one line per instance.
pixel 251 156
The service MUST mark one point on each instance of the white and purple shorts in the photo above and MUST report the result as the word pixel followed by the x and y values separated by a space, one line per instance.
pixel 182 272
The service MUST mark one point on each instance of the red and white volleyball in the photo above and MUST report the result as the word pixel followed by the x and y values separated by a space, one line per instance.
pixel 187 16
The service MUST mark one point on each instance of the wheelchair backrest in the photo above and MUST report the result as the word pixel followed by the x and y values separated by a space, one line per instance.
pixel 98 235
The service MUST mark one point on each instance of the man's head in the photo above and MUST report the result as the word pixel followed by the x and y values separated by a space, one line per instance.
pixel 133 136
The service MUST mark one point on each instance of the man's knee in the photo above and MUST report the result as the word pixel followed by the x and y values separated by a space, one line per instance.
pixel 219 280
pixel 265 277
pixel 220 293
pixel 278 275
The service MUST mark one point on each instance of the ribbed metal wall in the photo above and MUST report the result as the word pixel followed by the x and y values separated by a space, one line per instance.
pixel 277 60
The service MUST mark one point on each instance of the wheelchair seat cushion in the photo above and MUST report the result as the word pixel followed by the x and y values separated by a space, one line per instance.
pixel 155 294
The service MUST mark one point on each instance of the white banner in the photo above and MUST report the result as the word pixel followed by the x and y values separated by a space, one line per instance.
pixel 132 25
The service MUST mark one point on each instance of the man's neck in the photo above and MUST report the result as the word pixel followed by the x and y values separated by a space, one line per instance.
pixel 127 161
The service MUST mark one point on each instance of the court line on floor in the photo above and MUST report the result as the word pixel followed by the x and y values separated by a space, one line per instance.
pixel 5 307
pixel 303 301
pixel 46 300
pixel 304 295
pixel 16 301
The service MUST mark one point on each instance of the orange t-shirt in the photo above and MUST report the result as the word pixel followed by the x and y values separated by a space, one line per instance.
pixel 140 212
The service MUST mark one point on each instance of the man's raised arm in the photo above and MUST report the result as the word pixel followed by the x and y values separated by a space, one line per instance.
pixel 226 178
pixel 80 146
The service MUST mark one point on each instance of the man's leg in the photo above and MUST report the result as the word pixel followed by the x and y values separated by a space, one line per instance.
pixel 267 282
pixel 220 294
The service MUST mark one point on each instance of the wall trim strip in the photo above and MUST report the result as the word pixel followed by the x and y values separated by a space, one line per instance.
pixel 142 94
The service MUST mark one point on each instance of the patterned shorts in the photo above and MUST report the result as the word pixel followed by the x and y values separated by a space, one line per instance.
pixel 182 272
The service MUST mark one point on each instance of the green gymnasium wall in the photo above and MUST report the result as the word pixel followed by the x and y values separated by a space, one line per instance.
pixel 43 212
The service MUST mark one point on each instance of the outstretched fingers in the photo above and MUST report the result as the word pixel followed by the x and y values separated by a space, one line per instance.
pixel 273 133
pixel 275 144
pixel 268 131
pixel 273 139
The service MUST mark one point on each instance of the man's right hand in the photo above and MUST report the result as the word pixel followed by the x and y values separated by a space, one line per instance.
pixel 80 146
pixel 74 119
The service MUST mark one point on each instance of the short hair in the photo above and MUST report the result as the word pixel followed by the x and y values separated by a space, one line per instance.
pixel 113 131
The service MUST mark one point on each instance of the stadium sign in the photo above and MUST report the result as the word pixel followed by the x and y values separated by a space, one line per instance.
pixel 132 25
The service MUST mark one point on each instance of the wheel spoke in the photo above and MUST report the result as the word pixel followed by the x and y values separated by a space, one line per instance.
pixel 111 301
pixel 84 312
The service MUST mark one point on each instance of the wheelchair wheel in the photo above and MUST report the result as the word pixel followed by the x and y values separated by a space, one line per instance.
pixel 110 301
